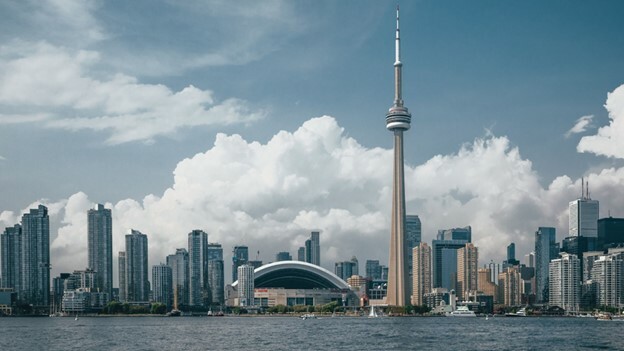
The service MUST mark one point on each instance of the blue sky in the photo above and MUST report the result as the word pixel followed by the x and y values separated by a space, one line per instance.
pixel 106 101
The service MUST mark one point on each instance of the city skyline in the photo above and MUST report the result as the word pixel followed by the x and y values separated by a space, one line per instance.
pixel 487 171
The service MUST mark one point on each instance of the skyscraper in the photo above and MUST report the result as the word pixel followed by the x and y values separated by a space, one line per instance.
pixel 100 247
pixel 10 257
pixel 467 270
pixel 584 216
pixel 373 269
pixel 313 249
pixel 240 256
pixel 564 282
pixel 216 282
pixel 412 239
pixel 444 255
pixel 137 276
pixel 245 285
pixel 162 282
pixel 610 232
pixel 421 285
pixel 283 256
pixel 198 268
pixel 179 263
pixel 510 287
pixel 607 273
pixel 546 249
pixel 397 121
pixel 123 288
pixel 301 254
pixel 35 266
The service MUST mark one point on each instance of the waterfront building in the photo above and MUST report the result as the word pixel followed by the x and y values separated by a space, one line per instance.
pixel 10 258
pixel 564 282
pixel 162 285
pixel 467 267
pixel 358 284
pixel 123 289
pixel 301 254
pixel 79 292
pixel 35 261
pixel 373 269
pixel 245 285
pixel 583 220
pixel 546 249
pixel 510 287
pixel 588 263
pixel 610 233
pixel 421 277
pixel 179 263
pixel 198 265
pixel 137 276
pixel 607 274
pixel 444 255
pixel 485 283
pixel 100 247
pixel 283 256
pixel 58 288
pixel 437 297
pixel 216 282
pixel 240 256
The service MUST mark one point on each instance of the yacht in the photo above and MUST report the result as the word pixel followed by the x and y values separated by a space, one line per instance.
pixel 308 316
pixel 373 313
pixel 462 311
pixel 520 313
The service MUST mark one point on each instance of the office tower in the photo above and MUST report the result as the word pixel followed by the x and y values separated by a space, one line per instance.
pixel 215 252
pixel 485 283
pixel 373 269
pixel 301 256
pixel 240 256
pixel 530 259
pixel 198 265
pixel 444 255
pixel 397 121
pixel 216 282
pixel 384 272
pixel 584 216
pixel 412 239
pixel 344 269
pixel 283 256
pixel 245 285
pixel 610 233
pixel 588 263
pixel 546 249
pixel 313 249
pixel 179 263
pixel 495 269
pixel 510 287
pixel 10 258
pixel 607 273
pixel 123 289
pixel 355 266
pixel 421 277
pixel 100 247
pixel 255 263
pixel 162 282
pixel 35 265
pixel 564 282
pixel 137 276
pixel 511 252
pixel 467 266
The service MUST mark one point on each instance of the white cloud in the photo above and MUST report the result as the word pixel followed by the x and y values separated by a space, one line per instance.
pixel 57 84
pixel 609 141
pixel 270 196
pixel 581 125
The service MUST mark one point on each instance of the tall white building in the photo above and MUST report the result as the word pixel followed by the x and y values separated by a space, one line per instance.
pixel 608 274
pixel 162 285
pixel 564 282
pixel 584 216
pixel 246 285
pixel 421 278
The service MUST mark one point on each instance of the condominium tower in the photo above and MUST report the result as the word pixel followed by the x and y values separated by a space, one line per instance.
pixel 100 247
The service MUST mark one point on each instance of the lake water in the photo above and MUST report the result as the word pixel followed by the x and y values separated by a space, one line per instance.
pixel 291 333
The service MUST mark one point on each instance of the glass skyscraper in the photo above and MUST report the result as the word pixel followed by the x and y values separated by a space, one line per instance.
pixel 35 263
pixel 216 281
pixel 546 249
pixel 162 284
pixel 10 256
pixel 198 266
pixel 100 247
pixel 137 278
pixel 240 256
pixel 179 263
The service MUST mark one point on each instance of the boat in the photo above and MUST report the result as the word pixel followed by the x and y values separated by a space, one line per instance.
pixel 308 316
pixel 520 313
pixel 461 311
pixel 76 317
pixel 604 317
pixel 372 313
pixel 174 313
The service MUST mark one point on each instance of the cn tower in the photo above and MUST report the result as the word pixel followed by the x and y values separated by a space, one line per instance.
pixel 397 121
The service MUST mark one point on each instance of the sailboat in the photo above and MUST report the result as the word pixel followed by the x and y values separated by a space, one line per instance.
pixel 372 313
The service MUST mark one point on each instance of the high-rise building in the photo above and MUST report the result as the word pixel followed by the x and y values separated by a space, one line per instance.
pixel 245 285
pixel 240 256
pixel 588 263
pixel 607 273
pixel 198 268
pixel 583 218
pixel 283 256
pixel 398 120
pixel 137 276
pixel 610 233
pixel 162 282
pixel 485 283
pixel 510 287
pixel 123 288
pixel 313 249
pixel 301 256
pixel 100 247
pixel 564 282
pixel 546 249
pixel 412 239
pixel 373 270
pixel 467 268
pixel 35 265
pixel 444 255
pixel 179 263
pixel 344 269
pixel 511 252
pixel 216 282
pixel 421 277
pixel 10 258
pixel 355 266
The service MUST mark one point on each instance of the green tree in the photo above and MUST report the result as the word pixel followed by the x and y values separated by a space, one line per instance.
pixel 158 308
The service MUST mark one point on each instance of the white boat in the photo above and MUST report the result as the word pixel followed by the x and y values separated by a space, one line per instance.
pixel 462 311
pixel 520 313
pixel 308 316
pixel 372 313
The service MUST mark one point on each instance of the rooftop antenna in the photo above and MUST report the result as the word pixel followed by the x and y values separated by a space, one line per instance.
pixel 582 188
pixel 587 189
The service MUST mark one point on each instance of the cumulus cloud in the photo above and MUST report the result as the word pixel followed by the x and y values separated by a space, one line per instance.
pixel 57 84
pixel 270 196
pixel 608 141
pixel 581 125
